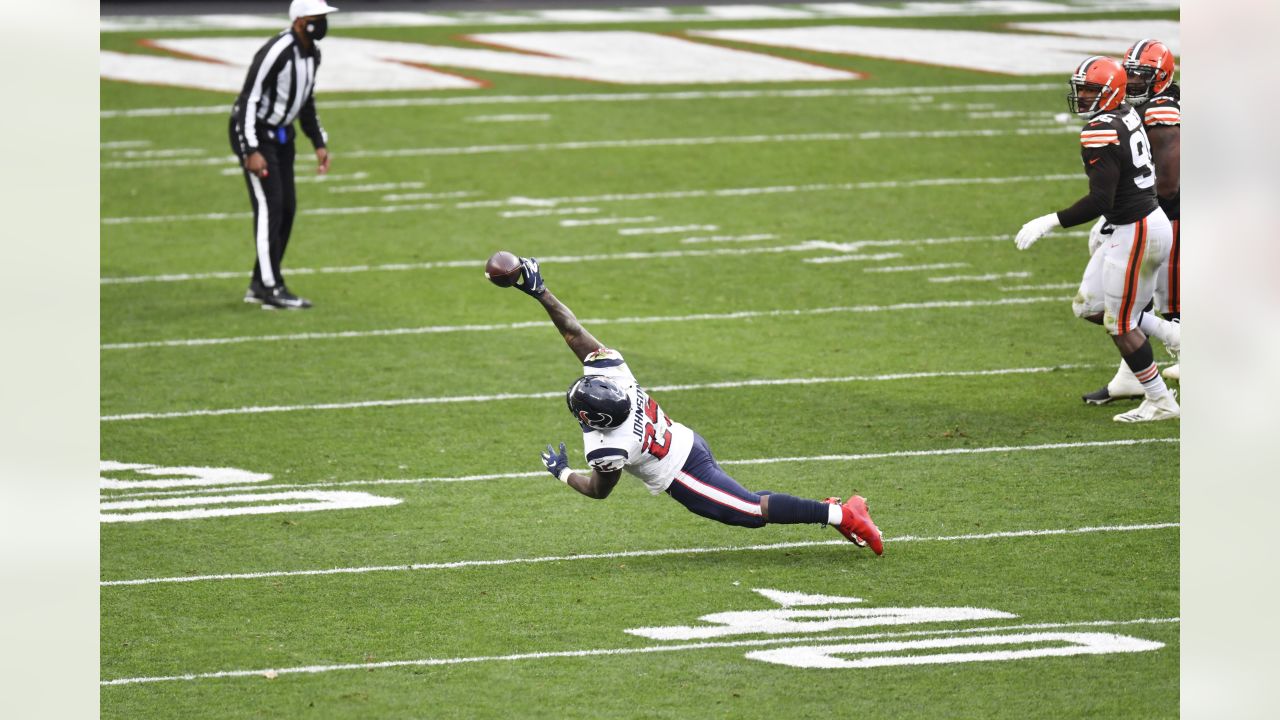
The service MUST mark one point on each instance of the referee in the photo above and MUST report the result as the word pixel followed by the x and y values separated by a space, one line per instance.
pixel 278 89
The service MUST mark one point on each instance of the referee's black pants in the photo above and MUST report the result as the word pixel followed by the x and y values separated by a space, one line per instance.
pixel 274 203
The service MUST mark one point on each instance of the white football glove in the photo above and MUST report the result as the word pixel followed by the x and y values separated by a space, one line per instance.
pixel 1035 229
pixel 1099 233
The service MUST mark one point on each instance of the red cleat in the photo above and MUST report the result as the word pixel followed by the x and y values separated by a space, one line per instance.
pixel 857 525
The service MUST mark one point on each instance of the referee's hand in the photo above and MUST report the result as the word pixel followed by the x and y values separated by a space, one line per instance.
pixel 322 160
pixel 256 164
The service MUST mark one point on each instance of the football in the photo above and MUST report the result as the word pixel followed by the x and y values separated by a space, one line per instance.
pixel 502 269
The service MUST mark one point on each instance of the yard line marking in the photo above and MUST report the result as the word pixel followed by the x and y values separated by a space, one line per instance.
pixel 1048 286
pixel 659 319
pixel 608 221
pixel 729 238
pixel 978 278
pixel 672 229
pixel 675 96
pixel 376 187
pixel 160 153
pixel 116 144
pixel 451 195
pixel 913 268
pixel 632 197
pixel 663 552
pixel 751 461
pixel 762 642
pixel 875 257
pixel 455 399
pixel 507 118
pixel 548 212
pixel 448 151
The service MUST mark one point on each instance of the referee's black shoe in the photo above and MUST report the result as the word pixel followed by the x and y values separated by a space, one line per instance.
pixel 256 294
pixel 279 297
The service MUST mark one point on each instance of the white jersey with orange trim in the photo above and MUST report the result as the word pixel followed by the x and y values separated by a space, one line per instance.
pixel 649 444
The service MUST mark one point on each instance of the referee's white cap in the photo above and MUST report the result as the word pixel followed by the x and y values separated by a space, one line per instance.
pixel 308 8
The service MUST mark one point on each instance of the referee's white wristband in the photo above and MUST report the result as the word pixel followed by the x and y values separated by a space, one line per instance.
pixel 564 475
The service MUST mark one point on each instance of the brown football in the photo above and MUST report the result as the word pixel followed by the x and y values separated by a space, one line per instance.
pixel 503 269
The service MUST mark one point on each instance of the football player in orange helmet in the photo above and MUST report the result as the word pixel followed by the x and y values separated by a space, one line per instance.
pixel 1120 276
pixel 1149 66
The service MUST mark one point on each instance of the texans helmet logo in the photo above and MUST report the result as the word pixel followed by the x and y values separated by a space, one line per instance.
pixel 595 419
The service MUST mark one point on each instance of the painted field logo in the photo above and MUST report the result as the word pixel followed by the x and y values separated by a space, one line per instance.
pixel 872 650
pixel 191 502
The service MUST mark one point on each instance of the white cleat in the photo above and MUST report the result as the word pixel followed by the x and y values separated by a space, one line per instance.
pixel 1124 385
pixel 1162 408
pixel 1172 373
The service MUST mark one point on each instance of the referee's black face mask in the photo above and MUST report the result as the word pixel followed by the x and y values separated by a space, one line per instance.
pixel 318 27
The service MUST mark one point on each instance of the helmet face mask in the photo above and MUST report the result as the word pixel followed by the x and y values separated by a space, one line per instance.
pixel 598 402
pixel 1149 64
pixel 1096 86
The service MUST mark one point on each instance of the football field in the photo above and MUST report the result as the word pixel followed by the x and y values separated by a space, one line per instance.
pixel 342 513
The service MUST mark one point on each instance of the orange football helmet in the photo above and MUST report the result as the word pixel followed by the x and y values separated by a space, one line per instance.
pixel 1149 64
pixel 1097 85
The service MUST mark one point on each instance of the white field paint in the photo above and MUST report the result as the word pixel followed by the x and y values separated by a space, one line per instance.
pixel 624 144
pixel 608 221
pixel 915 268
pixel 852 457
pixel 1025 53
pixel 117 144
pixel 885 94
pixel 728 238
pixel 160 153
pixel 548 212
pixel 784 621
pixel 630 15
pixel 541 117
pixel 979 278
pixel 635 197
pixel 664 552
pixel 658 319
pixel 378 187
pixel 874 257
pixel 174 477
pixel 353 64
pixel 1046 286
pixel 1068 644
pixel 670 230
pixel 605 652
pixel 1120 31
pixel 506 397
pixel 247 504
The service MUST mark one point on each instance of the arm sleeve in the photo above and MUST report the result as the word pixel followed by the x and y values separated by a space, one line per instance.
pixel 1104 175
pixel 310 120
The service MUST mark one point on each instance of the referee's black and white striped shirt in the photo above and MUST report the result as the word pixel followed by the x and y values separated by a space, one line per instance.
pixel 278 89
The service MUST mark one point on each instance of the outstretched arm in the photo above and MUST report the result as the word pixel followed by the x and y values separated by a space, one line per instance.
pixel 581 342
pixel 597 485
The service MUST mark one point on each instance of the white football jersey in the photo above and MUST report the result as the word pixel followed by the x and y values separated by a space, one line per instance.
pixel 649 445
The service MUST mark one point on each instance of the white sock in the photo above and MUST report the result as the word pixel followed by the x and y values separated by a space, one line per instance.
pixel 1153 326
pixel 835 515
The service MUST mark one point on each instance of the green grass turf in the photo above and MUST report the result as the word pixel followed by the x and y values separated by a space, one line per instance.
pixel 500 610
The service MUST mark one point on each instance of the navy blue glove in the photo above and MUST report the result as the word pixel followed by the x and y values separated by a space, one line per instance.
pixel 530 282
pixel 557 463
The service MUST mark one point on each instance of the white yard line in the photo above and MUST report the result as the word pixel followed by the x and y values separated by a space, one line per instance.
pixel 618 144
pixel 645 320
pixel 379 187
pixel 455 399
pixel 852 457
pixel 1047 286
pixel 663 552
pixel 806 246
pixel 669 230
pixel 979 278
pixel 634 197
pixel 548 212
pixel 326 105
pixel 608 221
pixel 915 268
pixel 763 642
pixel 728 238
pixel 507 118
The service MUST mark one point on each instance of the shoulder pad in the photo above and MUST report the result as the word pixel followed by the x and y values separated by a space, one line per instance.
pixel 1099 135
pixel 603 357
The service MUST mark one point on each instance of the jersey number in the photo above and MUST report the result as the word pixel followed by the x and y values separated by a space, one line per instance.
pixel 1140 147
pixel 650 443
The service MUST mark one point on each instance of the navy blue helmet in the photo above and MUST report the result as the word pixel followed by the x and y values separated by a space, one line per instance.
pixel 598 402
